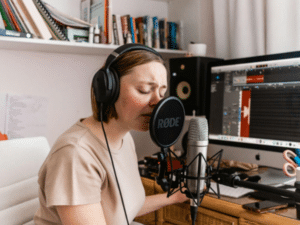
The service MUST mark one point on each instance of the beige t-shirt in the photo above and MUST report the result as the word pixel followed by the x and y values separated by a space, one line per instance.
pixel 78 171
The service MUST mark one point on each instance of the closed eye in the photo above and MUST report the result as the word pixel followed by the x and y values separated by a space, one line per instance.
pixel 144 92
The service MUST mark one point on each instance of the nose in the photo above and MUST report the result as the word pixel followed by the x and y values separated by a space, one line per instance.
pixel 156 97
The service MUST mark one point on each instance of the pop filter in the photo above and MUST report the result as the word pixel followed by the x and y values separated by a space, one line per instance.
pixel 167 121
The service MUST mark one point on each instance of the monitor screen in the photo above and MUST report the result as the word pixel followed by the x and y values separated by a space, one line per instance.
pixel 255 102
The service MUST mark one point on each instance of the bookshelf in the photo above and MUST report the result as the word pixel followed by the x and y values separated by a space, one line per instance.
pixel 66 47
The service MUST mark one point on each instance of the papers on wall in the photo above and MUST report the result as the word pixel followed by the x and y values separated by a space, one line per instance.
pixel 22 116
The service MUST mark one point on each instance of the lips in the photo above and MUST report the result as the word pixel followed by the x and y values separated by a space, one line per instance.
pixel 147 114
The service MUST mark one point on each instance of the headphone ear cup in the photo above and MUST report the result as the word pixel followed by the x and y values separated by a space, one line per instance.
pixel 116 86
pixel 101 91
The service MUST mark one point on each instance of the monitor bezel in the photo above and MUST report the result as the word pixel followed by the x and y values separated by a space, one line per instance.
pixel 261 58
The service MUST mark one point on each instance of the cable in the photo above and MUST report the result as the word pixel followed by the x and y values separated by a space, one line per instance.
pixel 112 162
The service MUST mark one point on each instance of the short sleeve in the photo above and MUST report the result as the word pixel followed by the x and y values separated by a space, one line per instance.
pixel 73 177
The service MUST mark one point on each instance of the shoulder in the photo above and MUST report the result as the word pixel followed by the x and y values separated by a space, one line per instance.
pixel 75 146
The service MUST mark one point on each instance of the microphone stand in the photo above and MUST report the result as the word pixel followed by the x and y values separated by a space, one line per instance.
pixel 234 180
pixel 178 178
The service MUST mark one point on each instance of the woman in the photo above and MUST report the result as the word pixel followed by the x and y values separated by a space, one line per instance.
pixel 77 180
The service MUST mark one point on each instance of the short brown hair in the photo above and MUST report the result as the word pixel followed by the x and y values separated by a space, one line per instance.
pixel 123 66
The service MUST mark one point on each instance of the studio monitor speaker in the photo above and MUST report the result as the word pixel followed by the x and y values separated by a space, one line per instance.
pixel 190 83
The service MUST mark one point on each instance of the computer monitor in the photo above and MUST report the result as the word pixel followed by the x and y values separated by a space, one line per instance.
pixel 255 108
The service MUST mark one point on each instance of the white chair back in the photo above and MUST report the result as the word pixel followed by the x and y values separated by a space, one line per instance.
pixel 20 161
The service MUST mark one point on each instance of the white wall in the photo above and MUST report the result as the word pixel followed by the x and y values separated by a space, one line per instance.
pixel 197 17
pixel 62 78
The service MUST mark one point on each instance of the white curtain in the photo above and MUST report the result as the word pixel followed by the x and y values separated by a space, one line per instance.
pixel 246 28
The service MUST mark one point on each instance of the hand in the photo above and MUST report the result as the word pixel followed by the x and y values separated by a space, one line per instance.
pixel 179 197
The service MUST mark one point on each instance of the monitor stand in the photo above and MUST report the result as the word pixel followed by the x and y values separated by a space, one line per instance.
pixel 274 177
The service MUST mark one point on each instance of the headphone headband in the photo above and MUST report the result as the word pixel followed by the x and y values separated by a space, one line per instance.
pixel 126 48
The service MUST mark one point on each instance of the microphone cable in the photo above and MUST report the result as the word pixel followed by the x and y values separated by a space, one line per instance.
pixel 112 162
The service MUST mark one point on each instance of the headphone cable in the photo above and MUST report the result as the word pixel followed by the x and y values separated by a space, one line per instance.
pixel 112 162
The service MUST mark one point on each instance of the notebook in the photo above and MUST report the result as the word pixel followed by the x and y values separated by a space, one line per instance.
pixel 230 191
pixel 57 31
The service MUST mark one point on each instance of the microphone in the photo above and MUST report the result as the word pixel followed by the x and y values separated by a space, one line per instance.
pixel 196 161
pixel 166 124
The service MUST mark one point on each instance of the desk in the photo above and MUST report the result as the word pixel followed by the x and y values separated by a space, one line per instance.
pixel 214 211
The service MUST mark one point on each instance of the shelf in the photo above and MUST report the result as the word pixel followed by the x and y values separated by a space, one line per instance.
pixel 66 47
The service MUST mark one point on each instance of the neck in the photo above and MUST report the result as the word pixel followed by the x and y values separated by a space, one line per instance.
pixel 114 132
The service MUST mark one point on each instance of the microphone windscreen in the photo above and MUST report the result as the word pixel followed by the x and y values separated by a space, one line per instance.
pixel 198 129
pixel 167 121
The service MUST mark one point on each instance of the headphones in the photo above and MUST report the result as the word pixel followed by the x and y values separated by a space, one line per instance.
pixel 106 83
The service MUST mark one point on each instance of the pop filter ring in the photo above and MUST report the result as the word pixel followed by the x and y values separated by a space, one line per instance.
pixel 154 117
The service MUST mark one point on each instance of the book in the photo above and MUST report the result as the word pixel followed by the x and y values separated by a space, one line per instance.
pixel 66 20
pixel 85 8
pixel 57 31
pixel 2 25
pixel 98 16
pixel 120 32
pixel 133 29
pixel 149 30
pixel 76 34
pixel 163 32
pixel 172 35
pixel 125 28
pixel 156 42
pixel 19 17
pixel 10 15
pixel 28 19
pixel 36 18
pixel 109 26
pixel 29 25
pixel 13 33
pixel 115 30
pixel 13 16
pixel 6 19
pixel 140 29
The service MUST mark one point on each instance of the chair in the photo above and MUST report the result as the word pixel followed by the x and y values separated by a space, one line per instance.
pixel 20 161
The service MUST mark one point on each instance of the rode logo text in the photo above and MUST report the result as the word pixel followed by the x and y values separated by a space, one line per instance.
pixel 168 122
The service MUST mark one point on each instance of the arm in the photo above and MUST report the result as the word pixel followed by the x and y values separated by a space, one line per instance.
pixel 155 202
pixel 91 214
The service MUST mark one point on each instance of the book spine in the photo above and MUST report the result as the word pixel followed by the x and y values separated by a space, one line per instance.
pixel 124 28
pixel 145 20
pixel 163 33
pixel 17 16
pixel 149 31
pixel 22 14
pixel 12 33
pixel 77 34
pixel 120 32
pixel 132 29
pixel 12 16
pixel 7 21
pixel 115 29
pixel 2 25
pixel 155 33
pixel 37 19
pixel 109 23
pixel 31 23
pixel 172 39
pixel 140 29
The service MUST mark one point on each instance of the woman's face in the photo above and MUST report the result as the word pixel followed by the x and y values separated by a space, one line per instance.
pixel 140 91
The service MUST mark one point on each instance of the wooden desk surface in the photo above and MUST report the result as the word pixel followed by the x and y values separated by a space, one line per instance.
pixel 233 207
